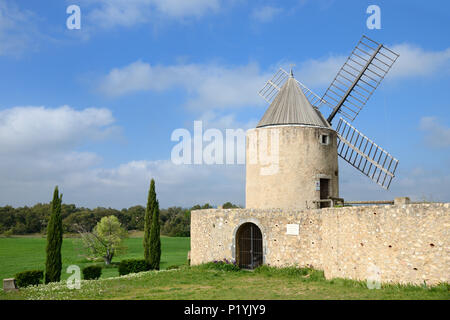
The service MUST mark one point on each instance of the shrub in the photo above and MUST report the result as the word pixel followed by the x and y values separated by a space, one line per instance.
pixel 172 267
pixel 132 266
pixel 304 274
pixel 224 265
pixel 8 233
pixel 29 278
pixel 92 272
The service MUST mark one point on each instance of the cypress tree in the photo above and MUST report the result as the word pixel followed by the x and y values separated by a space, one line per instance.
pixel 53 262
pixel 151 200
pixel 155 240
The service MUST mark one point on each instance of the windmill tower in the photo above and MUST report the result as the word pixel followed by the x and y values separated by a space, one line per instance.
pixel 292 153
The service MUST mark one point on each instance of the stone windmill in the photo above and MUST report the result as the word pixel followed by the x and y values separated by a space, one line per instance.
pixel 292 154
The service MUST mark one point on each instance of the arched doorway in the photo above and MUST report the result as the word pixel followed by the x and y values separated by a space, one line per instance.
pixel 249 246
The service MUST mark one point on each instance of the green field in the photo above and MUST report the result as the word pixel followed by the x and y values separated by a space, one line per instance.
pixel 28 253
pixel 197 282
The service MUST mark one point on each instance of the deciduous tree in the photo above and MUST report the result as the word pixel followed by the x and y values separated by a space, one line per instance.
pixel 105 240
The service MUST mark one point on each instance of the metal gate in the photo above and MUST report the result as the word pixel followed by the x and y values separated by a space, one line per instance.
pixel 249 246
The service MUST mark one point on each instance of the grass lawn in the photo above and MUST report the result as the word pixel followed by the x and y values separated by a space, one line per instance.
pixel 28 253
pixel 197 282
pixel 201 282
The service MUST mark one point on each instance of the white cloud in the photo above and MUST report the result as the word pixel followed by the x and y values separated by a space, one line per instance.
pixel 32 129
pixel 436 134
pixel 39 148
pixel 181 8
pixel 412 62
pixel 319 72
pixel 207 85
pixel 18 32
pixel 182 185
pixel 417 183
pixel 219 121
pixel 126 13
pixel 38 169
pixel 415 61
pixel 29 177
pixel 266 13
pixel 123 186
pixel 215 86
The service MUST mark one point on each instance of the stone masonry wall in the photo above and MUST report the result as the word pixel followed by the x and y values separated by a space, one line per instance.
pixel 403 243
pixel 301 161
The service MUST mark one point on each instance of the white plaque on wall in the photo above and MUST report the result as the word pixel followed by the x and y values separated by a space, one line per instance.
pixel 317 185
pixel 292 229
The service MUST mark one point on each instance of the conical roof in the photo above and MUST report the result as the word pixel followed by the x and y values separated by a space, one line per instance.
pixel 291 106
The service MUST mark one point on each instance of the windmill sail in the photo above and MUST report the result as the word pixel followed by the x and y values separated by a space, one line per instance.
pixel 313 98
pixel 347 94
pixel 366 156
pixel 273 86
pixel 358 78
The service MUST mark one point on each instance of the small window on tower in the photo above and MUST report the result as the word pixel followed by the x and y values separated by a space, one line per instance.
pixel 324 139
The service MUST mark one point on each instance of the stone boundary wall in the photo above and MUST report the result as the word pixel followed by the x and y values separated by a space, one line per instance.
pixel 408 243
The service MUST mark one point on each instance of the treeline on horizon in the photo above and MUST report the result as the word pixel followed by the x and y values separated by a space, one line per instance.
pixel 174 221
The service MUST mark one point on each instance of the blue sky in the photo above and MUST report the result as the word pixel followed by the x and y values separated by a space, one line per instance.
pixel 93 110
